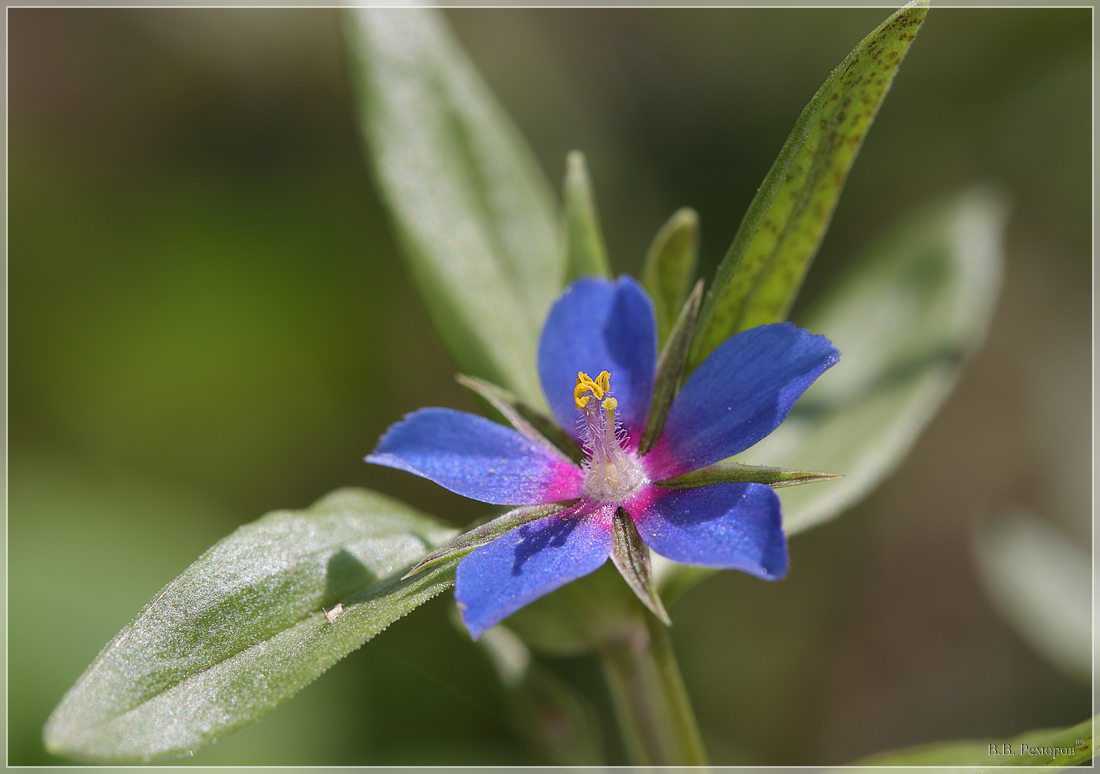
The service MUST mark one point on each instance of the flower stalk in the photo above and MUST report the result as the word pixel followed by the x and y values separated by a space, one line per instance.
pixel 652 708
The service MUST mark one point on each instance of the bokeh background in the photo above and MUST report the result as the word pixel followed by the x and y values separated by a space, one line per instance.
pixel 209 319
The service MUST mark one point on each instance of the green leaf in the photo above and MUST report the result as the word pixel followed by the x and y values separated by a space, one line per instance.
pixel 587 254
pixel 904 319
pixel 669 267
pixel 1052 748
pixel 471 208
pixel 242 628
pixel 762 272
pixel 1041 582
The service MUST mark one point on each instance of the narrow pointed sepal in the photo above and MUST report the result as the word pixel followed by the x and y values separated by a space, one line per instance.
pixel 486 533
pixel 528 422
pixel 670 368
pixel 630 556
pixel 586 254
pixel 733 472
pixel 669 267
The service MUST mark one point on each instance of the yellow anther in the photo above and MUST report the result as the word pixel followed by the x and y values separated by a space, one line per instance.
pixel 599 387
pixel 604 380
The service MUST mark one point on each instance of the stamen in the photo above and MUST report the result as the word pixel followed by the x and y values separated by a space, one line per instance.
pixel 599 386
pixel 612 473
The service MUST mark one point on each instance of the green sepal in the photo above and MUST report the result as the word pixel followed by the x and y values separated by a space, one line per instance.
pixel 761 274
pixel 726 472
pixel 669 267
pixel 530 422
pixel 485 533
pixel 630 555
pixel 586 253
pixel 670 369
pixel 980 753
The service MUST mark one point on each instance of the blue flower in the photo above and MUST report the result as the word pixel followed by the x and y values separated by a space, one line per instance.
pixel 736 397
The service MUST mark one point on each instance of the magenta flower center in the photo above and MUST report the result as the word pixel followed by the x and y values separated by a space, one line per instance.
pixel 612 474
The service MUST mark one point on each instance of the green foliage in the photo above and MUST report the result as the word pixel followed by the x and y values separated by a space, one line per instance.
pixel 1041 581
pixel 243 628
pixel 904 318
pixel 669 267
pixel 586 252
pixel 762 272
pixel 473 211
pixel 1055 748
pixel 556 718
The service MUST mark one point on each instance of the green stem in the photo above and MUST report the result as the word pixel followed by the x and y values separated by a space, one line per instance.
pixel 651 705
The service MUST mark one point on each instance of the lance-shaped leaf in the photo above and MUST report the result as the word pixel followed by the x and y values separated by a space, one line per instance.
pixel 669 267
pixel 761 274
pixel 471 208
pixel 1052 749
pixel 242 628
pixel 586 252
pixel 1041 582
pixel 904 319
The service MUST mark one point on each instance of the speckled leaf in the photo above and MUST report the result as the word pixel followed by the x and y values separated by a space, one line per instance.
pixel 762 272
pixel 904 319
pixel 474 213
pixel 1052 749
pixel 242 628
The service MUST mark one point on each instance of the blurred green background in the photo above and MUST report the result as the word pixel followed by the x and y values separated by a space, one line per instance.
pixel 209 320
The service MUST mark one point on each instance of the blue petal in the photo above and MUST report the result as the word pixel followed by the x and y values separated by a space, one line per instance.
pixel 600 325
pixel 477 458
pixel 529 562
pixel 726 526
pixel 740 394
